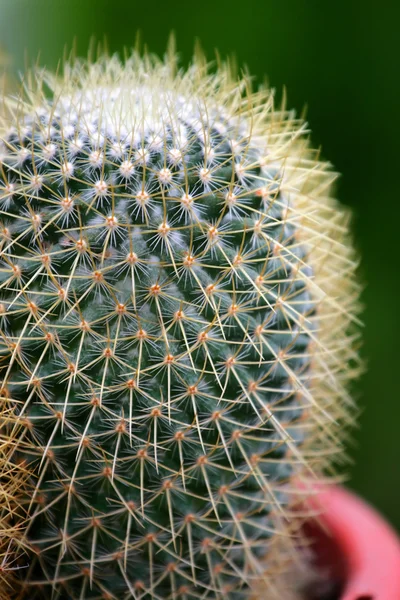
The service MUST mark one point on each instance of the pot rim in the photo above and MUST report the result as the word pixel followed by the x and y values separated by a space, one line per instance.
pixel 367 547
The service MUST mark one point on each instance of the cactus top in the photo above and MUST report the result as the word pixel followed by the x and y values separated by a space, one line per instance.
pixel 176 288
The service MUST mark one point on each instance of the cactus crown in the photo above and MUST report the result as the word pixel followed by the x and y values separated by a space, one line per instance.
pixel 176 292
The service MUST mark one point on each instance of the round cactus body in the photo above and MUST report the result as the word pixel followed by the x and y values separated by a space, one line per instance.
pixel 176 291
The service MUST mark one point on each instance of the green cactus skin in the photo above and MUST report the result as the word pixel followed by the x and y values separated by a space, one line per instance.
pixel 176 294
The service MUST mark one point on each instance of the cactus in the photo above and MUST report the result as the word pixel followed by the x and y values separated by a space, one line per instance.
pixel 177 309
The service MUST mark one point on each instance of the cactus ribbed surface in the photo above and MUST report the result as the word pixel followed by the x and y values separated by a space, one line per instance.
pixel 176 294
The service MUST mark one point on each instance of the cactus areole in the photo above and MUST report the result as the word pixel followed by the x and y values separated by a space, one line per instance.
pixel 177 299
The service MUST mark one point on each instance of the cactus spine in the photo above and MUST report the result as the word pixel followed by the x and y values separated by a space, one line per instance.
pixel 177 294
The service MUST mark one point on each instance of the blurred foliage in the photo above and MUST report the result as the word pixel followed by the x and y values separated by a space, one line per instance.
pixel 339 58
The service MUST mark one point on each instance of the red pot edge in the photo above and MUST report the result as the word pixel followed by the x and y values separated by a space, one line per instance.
pixel 364 549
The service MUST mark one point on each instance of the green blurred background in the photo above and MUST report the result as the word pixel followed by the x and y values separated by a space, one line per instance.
pixel 337 57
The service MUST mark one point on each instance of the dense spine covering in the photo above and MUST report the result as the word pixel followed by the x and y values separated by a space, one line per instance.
pixel 14 485
pixel 176 295
pixel 13 472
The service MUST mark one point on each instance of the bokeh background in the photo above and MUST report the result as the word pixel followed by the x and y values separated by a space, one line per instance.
pixel 339 59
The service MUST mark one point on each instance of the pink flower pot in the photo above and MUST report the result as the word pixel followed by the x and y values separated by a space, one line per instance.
pixel 356 546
